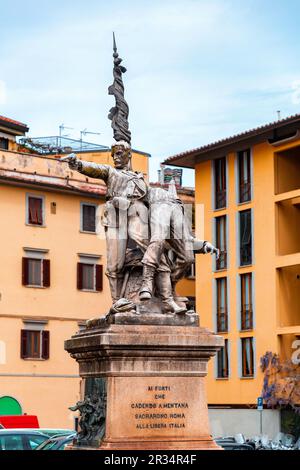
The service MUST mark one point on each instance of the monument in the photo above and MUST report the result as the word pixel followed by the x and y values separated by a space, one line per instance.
pixel 144 363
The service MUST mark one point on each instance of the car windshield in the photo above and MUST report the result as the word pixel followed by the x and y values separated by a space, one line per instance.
pixel 35 440
pixel 48 445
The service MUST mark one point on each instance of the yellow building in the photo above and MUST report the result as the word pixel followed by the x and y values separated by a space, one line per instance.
pixel 249 186
pixel 52 251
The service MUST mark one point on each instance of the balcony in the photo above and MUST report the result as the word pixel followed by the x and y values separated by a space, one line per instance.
pixel 287 226
pixel 288 288
pixel 287 170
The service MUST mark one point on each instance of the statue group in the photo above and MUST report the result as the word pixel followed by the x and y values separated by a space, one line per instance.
pixel 150 245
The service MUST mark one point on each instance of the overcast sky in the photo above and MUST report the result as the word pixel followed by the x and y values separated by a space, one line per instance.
pixel 198 70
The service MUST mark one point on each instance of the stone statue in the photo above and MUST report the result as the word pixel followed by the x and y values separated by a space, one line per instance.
pixel 149 245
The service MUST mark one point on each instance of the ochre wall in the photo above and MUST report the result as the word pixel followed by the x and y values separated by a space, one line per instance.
pixel 237 390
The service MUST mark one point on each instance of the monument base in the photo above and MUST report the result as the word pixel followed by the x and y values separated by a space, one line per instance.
pixel 154 382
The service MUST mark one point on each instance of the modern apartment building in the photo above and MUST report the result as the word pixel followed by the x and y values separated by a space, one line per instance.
pixel 249 186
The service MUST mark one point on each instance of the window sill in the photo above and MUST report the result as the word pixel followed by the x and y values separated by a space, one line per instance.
pixel 249 330
pixel 222 379
pixel 246 266
pixel 35 225
pixel 36 287
pixel 220 209
pixel 31 359
pixel 223 270
pixel 89 291
pixel 245 203
pixel 87 232
pixel 248 378
pixel 222 332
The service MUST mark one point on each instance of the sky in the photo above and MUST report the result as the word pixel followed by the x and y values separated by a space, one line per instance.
pixel 197 70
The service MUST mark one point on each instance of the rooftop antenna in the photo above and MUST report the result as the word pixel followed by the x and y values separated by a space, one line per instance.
pixel 279 115
pixel 85 132
pixel 62 127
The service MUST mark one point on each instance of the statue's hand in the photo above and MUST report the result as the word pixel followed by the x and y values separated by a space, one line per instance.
pixel 72 160
pixel 209 248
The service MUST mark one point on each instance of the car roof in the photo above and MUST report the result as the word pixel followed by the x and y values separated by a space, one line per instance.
pixel 21 431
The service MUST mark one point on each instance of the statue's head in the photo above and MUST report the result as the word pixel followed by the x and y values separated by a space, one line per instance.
pixel 121 154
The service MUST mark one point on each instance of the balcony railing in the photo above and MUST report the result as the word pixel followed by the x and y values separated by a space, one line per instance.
pixel 245 192
pixel 221 263
pixel 247 318
pixel 246 254
pixel 222 321
pixel 221 198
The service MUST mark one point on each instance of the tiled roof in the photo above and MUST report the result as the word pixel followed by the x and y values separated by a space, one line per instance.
pixel 235 138
pixel 13 122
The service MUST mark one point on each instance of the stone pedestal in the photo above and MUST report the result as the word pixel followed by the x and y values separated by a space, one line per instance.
pixel 154 379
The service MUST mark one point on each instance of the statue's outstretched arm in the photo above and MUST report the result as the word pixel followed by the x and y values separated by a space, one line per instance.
pixel 203 246
pixel 91 169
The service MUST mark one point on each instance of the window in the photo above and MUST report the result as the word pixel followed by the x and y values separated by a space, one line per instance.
pixel 223 362
pixel 11 442
pixel 222 312
pixel 247 357
pixel 36 272
pixel 90 277
pixel 191 273
pixel 244 161
pixel 34 441
pixel 221 242
pixel 3 143
pixel 35 206
pixel 220 182
pixel 245 238
pixel 35 344
pixel 88 217
pixel 246 302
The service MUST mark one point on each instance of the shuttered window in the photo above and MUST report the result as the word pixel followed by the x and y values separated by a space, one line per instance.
pixel 35 210
pixel 88 218
pixel 35 344
pixel 36 272
pixel 89 277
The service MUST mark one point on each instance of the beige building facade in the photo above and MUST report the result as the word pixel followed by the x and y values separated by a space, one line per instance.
pixel 52 273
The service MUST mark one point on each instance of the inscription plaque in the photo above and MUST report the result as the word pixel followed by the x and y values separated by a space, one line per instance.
pixel 156 407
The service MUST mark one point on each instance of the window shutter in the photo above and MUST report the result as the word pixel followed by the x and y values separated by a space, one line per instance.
pixel 79 276
pixel 25 271
pixel 99 278
pixel 46 273
pixel 35 207
pixel 24 344
pixel 45 344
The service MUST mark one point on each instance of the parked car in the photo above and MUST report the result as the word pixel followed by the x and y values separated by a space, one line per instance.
pixel 20 439
pixel 56 443
pixel 229 443
pixel 53 432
